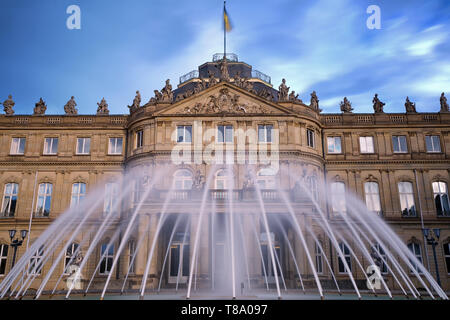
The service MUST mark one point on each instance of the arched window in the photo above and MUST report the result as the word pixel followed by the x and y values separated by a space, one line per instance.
pixel 3 258
pixel 440 194
pixel 223 178
pixel 70 258
pixel 406 192
pixel 372 193
pixel 44 202
pixel 266 178
pixel 78 194
pixel 10 197
pixel 338 200
pixel 417 252
pixel 183 180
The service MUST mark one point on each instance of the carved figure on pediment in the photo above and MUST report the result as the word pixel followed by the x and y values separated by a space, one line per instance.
pixel 294 97
pixel 179 97
pixel 238 80
pixel 136 102
pixel 102 107
pixel 377 104
pixel 69 108
pixel 40 108
pixel 266 94
pixel 314 101
pixel 410 106
pixel 8 105
pixel 283 91
pixel 444 104
pixel 212 79
pixel 223 67
pixel 158 95
pixel 167 93
pixel 346 106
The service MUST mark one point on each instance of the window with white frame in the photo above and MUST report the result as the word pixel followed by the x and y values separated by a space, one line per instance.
pixel 225 134
pixel 44 201
pixel 115 146
pixel 111 196
pixel 366 145
pixel 184 134
pixel 372 193
pixel 310 138
pixel 36 263
pixel 265 133
pixel 406 193
pixel 441 200
pixel 183 180
pixel 447 256
pixel 433 144
pixel 338 199
pixel 334 144
pixel 83 146
pixel 222 180
pixel 319 256
pixel 3 258
pixel 313 187
pixel 131 259
pixel 18 146
pixel 78 194
pixel 383 257
pixel 417 252
pixel 139 139
pixel 10 197
pixel 107 258
pixel 51 146
pixel 347 256
pixel 399 144
pixel 70 256
pixel 265 178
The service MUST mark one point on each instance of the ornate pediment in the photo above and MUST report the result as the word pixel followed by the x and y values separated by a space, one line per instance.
pixel 223 100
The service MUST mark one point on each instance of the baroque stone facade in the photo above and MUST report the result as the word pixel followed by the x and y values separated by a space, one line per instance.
pixel 349 148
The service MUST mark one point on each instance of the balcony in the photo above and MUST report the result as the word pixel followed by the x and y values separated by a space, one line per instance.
pixel 6 215
pixel 261 76
pixel 189 76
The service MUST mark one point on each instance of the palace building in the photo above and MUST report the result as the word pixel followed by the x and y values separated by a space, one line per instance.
pixel 397 164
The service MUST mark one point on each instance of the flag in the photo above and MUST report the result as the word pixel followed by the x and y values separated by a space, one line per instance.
pixel 227 21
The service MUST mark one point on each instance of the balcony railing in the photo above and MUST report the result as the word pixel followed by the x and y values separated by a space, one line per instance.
pixel 225 194
pixel 6 214
pixel 189 76
pixel 232 57
pixel 261 76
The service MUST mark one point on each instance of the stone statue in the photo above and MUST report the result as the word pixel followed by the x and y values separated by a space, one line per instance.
pixel 212 79
pixel 136 102
pixel 40 108
pixel 293 96
pixel 69 108
pixel 8 106
pixel 167 93
pixel 314 101
pixel 346 106
pixel 283 91
pixel 223 66
pixel 238 81
pixel 199 181
pixel 249 183
pixel 377 104
pixel 410 106
pixel 102 107
pixel 444 104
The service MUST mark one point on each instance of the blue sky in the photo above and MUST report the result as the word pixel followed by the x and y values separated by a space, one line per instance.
pixel 321 45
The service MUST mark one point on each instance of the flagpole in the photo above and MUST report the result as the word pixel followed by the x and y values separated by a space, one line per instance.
pixel 224 31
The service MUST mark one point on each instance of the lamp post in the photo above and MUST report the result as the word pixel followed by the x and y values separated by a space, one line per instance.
pixel 432 237
pixel 15 243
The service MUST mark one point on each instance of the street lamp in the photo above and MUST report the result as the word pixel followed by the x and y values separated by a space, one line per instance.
pixel 432 237
pixel 15 243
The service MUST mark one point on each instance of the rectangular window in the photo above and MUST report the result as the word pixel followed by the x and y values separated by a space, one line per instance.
pixel 131 257
pixel 407 204
pixel 78 194
pixel 441 200
pixel 319 258
pixel 107 256
pixel 225 134
pixel 447 256
pixel 111 196
pixel 310 138
pixel 346 253
pixel 70 257
pixel 51 146
pixel 3 258
pixel 83 146
pixel 44 202
pixel 334 145
pixel 366 144
pixel 338 197
pixel 184 134
pixel 433 144
pixel 139 139
pixel 115 146
pixel 417 252
pixel 10 200
pixel 36 262
pixel 18 146
pixel 265 133
pixel 372 193
pixel 382 258
pixel 399 144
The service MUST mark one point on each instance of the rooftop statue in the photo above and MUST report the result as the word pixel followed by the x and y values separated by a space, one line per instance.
pixel 8 105
pixel 410 106
pixel 377 104
pixel 283 91
pixel 40 108
pixel 136 102
pixel 346 106
pixel 102 108
pixel 167 93
pixel 444 104
pixel 212 78
pixel 69 108
pixel 314 101
pixel 238 80
pixel 223 66
pixel 294 97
